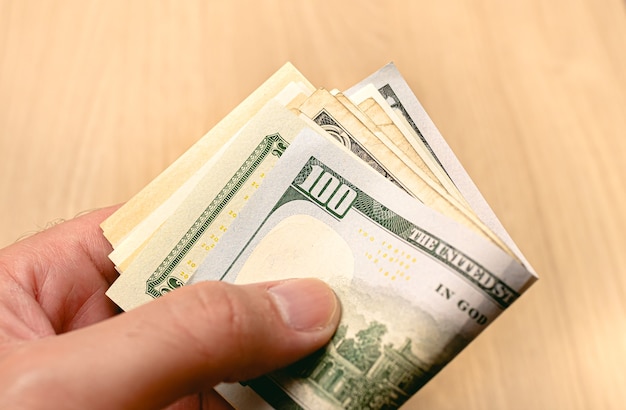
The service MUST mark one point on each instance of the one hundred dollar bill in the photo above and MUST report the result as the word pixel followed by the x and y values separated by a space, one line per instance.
pixel 397 92
pixel 354 133
pixel 161 193
pixel 193 230
pixel 369 99
pixel 415 286
pixel 363 193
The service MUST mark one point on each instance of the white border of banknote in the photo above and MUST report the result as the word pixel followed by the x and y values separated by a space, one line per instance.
pixel 338 376
pixel 162 280
pixel 398 175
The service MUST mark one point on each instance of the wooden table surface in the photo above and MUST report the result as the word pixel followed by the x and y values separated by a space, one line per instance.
pixel 96 98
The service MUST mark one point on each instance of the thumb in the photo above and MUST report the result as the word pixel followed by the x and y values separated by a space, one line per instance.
pixel 195 337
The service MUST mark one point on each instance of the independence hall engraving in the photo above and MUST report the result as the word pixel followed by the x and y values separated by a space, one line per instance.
pixel 359 373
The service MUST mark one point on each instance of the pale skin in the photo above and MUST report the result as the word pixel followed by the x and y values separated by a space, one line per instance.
pixel 64 343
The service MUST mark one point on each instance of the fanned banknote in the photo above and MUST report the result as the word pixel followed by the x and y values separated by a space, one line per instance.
pixel 396 91
pixel 357 188
pixel 191 233
pixel 415 286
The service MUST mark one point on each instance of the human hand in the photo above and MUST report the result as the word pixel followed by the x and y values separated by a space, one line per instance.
pixel 62 342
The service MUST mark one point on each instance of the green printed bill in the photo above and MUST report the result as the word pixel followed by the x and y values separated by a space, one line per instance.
pixel 191 233
pixel 415 287
pixel 137 220
pixel 162 195
pixel 399 96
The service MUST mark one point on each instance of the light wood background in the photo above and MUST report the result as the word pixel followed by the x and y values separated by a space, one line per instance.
pixel 96 98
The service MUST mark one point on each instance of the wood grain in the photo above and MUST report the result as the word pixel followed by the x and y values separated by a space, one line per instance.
pixel 96 98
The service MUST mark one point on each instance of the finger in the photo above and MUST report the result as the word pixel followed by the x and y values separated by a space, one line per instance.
pixel 212 400
pixel 66 270
pixel 194 337
pixel 207 399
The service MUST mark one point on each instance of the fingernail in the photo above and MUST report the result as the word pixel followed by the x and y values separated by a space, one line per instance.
pixel 305 304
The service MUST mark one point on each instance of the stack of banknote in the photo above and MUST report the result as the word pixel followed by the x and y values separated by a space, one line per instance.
pixel 357 188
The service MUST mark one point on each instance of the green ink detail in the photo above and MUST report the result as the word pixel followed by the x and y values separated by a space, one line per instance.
pixel 359 372
pixel 161 280
pixel 403 229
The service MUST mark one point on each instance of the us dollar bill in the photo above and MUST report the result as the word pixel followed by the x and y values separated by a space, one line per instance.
pixel 396 91
pixel 268 195
pixel 369 99
pixel 358 136
pixel 193 230
pixel 415 286
pixel 181 186
pixel 163 195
